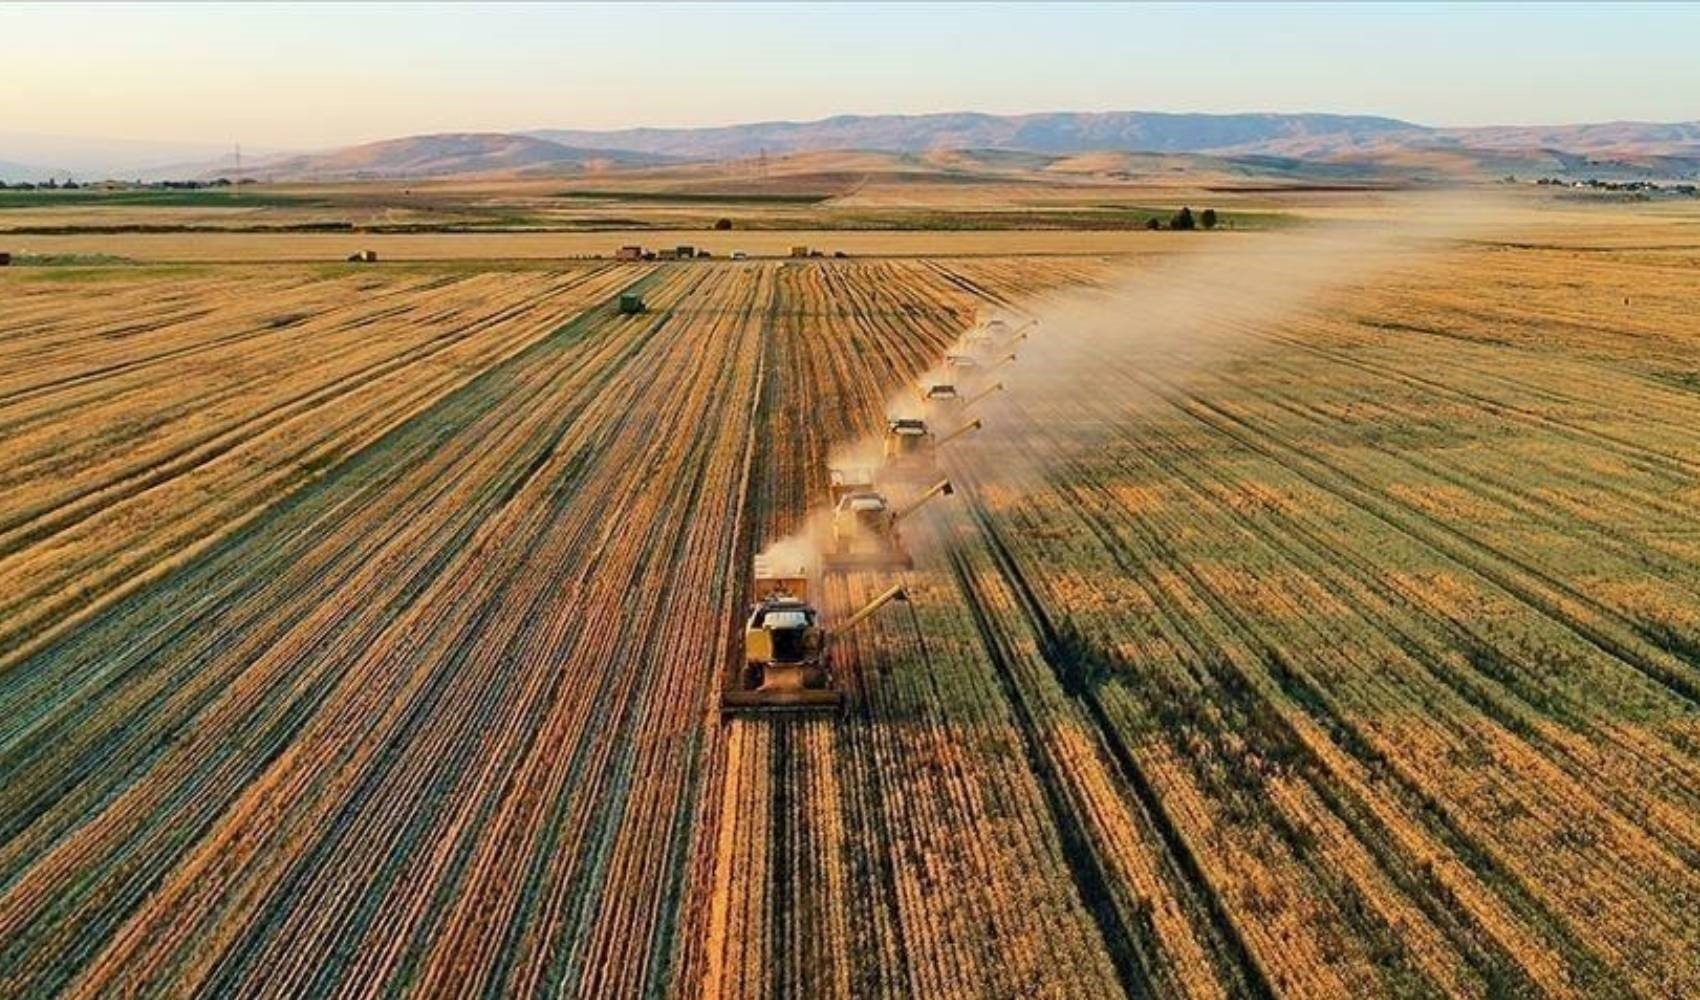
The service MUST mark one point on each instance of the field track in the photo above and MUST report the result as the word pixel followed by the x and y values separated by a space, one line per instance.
pixel 359 633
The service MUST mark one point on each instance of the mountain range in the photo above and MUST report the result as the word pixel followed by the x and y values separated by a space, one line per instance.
pixel 1060 132
pixel 1338 145
pixel 449 154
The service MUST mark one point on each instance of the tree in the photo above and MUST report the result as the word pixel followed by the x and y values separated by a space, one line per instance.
pixel 723 223
pixel 1182 219
pixel 1153 224
pixel 1207 218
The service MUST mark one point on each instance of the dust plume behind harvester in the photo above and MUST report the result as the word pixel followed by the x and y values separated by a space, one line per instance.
pixel 786 665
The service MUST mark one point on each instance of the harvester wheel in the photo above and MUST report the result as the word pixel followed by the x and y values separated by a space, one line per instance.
pixel 815 678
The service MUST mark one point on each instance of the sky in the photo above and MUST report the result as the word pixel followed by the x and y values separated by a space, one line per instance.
pixel 320 75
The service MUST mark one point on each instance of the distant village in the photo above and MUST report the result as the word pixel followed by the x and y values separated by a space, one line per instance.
pixel 1625 187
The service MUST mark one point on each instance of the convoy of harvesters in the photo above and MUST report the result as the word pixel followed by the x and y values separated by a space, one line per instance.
pixel 787 648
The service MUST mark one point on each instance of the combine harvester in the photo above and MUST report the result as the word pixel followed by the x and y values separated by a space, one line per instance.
pixel 997 337
pixel 787 668
pixel 787 662
pixel 865 533
pixel 911 453
pixel 944 399
pixel 969 371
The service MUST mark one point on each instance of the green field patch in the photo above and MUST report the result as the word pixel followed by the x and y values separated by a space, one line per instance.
pixel 160 198
pixel 92 268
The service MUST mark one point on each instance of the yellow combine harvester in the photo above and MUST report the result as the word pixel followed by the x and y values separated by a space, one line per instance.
pixel 910 448
pixel 865 531
pixel 787 667
pixel 944 399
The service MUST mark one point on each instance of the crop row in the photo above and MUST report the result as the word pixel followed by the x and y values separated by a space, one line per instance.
pixel 434 716
pixel 1347 652
pixel 363 633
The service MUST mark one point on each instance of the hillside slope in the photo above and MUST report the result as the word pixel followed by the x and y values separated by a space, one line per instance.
pixel 442 155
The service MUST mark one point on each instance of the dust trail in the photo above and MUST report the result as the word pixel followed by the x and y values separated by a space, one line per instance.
pixel 1175 318
pixel 799 553
pixel 1178 319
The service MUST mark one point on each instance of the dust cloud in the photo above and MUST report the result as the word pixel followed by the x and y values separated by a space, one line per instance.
pixel 1087 366
pixel 1098 356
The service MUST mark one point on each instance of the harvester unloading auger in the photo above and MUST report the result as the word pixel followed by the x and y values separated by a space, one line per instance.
pixel 866 532
pixel 994 366
pixel 787 667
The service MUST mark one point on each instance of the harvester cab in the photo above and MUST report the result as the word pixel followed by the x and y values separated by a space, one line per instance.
pixel 787 666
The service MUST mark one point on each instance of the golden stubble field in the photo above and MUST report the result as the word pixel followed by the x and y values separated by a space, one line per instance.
pixel 360 628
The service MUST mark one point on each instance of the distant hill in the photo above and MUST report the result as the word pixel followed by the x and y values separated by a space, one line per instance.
pixel 448 154
pixel 1333 144
pixel 1297 147
pixel 13 172
pixel 1061 132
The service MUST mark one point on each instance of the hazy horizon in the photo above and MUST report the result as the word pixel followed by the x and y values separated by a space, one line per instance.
pixel 278 77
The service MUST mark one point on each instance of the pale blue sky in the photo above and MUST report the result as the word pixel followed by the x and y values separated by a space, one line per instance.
pixel 320 74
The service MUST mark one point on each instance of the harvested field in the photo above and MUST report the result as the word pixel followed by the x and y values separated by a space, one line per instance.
pixel 360 632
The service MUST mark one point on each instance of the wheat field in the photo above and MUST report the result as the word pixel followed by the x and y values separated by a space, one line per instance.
pixel 361 629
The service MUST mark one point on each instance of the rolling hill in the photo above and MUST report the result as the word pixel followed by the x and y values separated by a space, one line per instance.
pixel 1333 144
pixel 1062 132
pixel 447 154
pixel 1323 146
